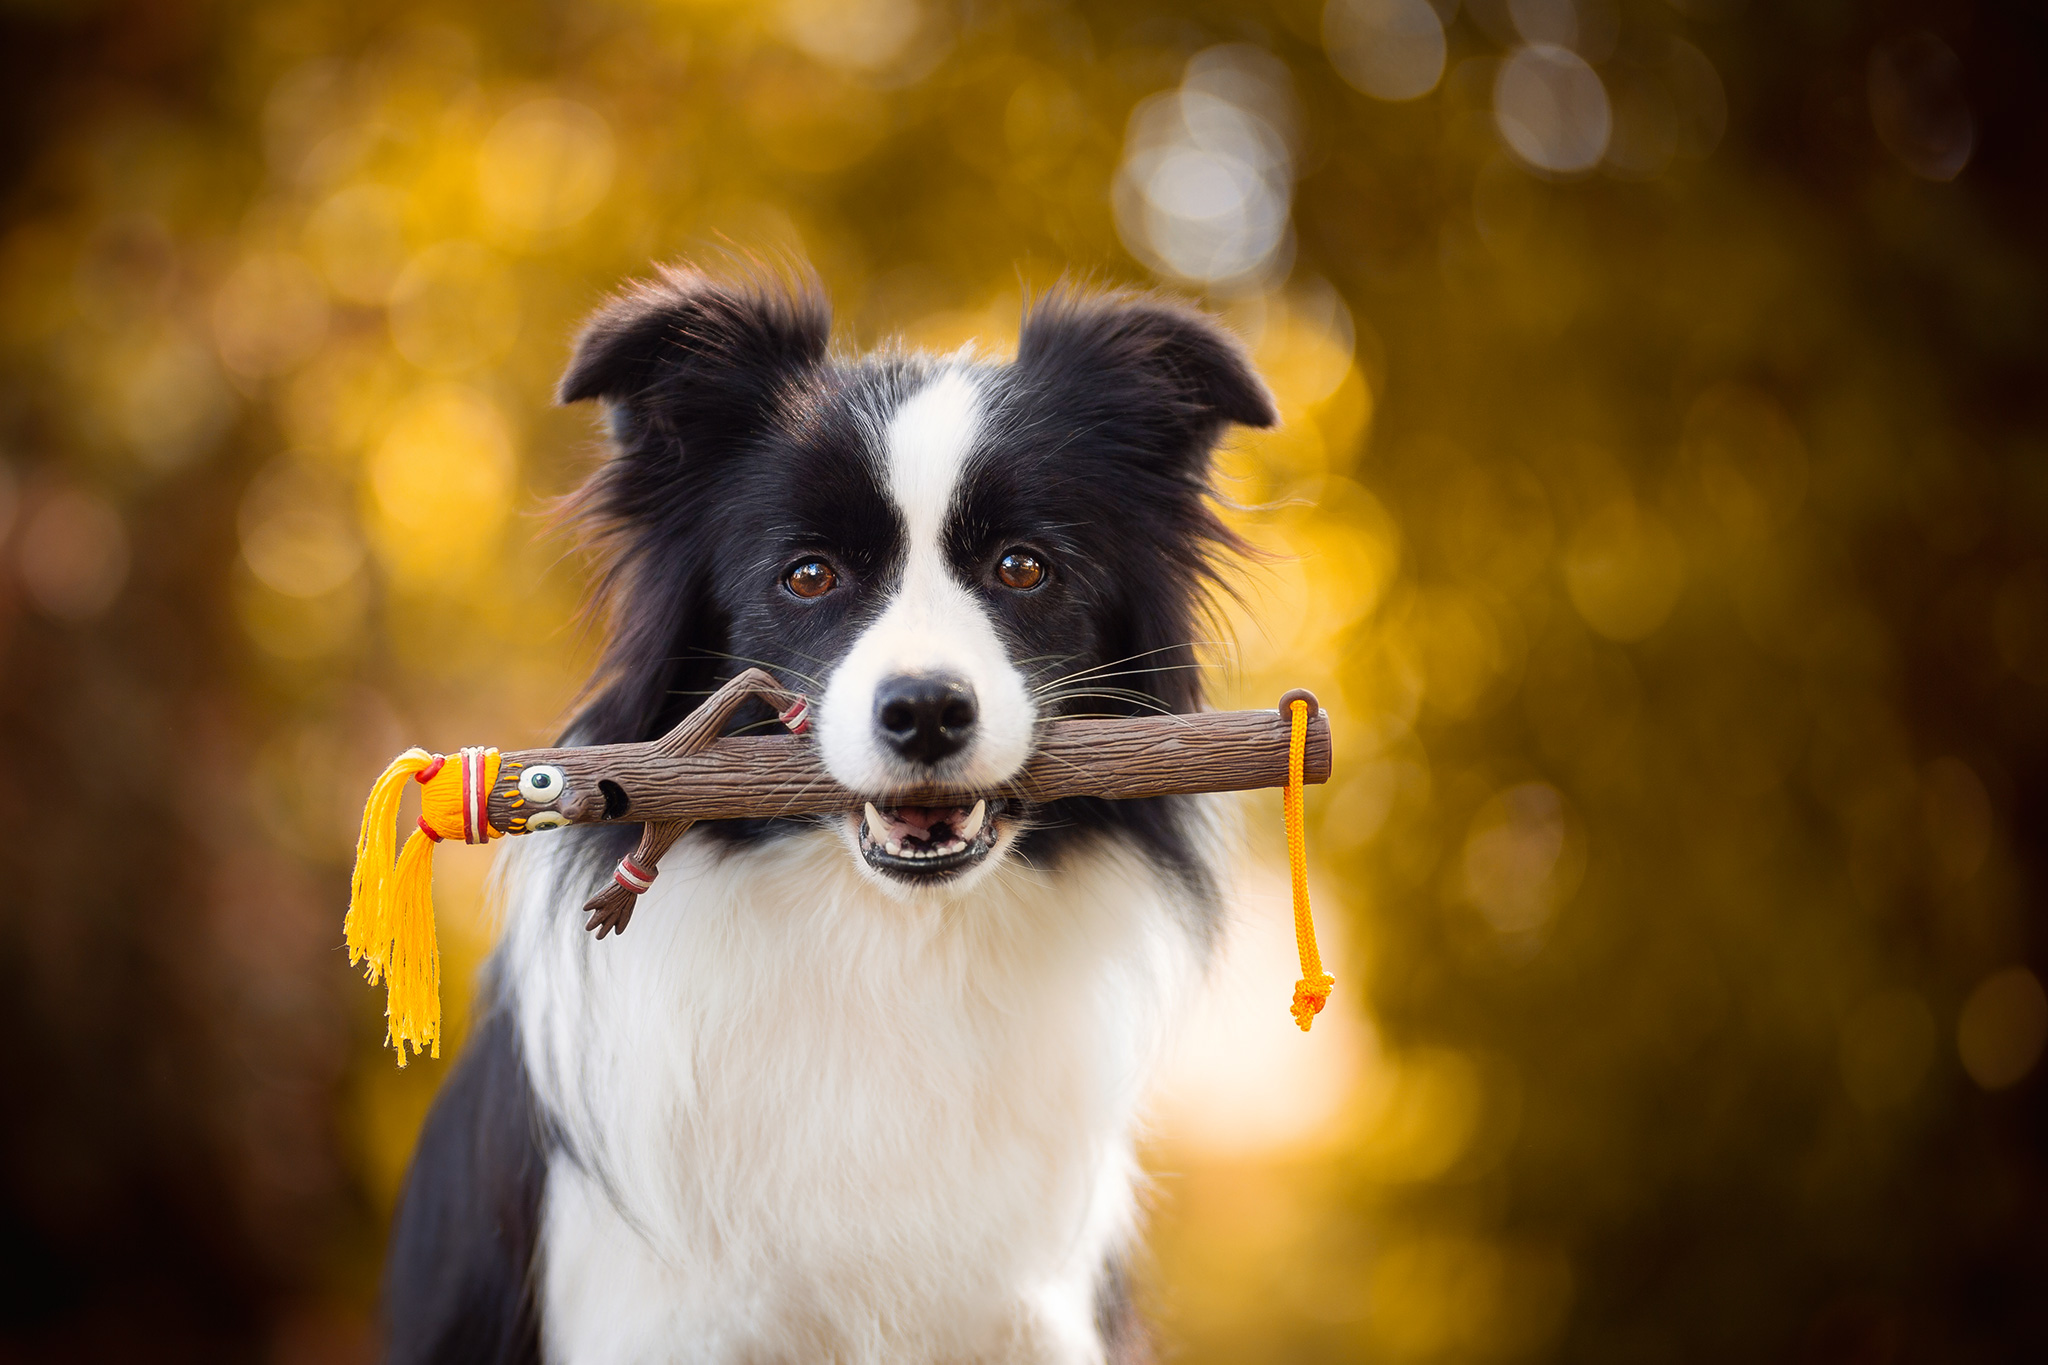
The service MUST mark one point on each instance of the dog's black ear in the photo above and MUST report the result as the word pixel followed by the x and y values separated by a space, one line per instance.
pixel 686 350
pixel 1161 363
pixel 692 369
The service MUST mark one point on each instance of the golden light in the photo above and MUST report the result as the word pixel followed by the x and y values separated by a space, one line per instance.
pixel 442 479
pixel 453 311
pixel 1245 1080
pixel 72 554
pixel 270 315
pixel 297 535
pixel 1390 49
pixel 544 165
pixel 1522 859
pixel 358 239
pixel 2003 1027
pixel 1624 569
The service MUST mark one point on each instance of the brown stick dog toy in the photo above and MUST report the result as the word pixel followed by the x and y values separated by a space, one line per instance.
pixel 691 774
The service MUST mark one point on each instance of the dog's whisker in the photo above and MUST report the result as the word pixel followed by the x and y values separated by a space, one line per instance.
pixel 769 664
pixel 1141 700
pixel 1151 708
pixel 1094 675
pixel 1104 669
pixel 1146 654
pixel 1125 693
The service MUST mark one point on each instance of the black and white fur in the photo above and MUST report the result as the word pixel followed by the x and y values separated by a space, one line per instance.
pixel 820 1104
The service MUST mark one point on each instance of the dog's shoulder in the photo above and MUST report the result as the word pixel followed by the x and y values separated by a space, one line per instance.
pixel 458 1281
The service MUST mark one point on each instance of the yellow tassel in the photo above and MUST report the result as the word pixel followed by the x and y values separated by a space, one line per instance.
pixel 1312 992
pixel 390 924
pixel 413 985
pixel 364 928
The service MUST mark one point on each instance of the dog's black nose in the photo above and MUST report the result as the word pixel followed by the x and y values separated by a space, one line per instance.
pixel 925 717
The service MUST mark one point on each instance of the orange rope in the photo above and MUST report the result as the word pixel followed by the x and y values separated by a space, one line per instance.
pixel 1312 992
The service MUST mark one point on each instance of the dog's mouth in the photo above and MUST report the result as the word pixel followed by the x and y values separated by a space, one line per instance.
pixel 923 844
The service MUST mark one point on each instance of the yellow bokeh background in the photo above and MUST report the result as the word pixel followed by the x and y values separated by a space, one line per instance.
pixel 1664 532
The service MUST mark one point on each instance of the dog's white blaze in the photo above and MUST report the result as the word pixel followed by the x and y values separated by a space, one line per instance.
pixel 805 1120
pixel 928 442
pixel 933 623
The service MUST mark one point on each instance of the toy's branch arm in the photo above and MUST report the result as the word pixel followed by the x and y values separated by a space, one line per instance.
pixel 698 729
pixel 611 909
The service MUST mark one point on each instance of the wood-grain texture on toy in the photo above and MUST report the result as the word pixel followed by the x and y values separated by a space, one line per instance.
pixel 768 776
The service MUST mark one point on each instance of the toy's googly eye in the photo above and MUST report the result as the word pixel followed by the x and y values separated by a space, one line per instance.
pixel 545 819
pixel 543 783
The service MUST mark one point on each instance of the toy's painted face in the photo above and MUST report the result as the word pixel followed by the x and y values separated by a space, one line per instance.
pixel 542 783
pixel 941 553
pixel 540 786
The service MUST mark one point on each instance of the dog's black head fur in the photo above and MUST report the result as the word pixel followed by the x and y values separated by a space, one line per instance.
pixel 742 445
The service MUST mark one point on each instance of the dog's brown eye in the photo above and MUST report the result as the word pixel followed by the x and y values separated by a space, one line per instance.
pixel 812 578
pixel 1020 570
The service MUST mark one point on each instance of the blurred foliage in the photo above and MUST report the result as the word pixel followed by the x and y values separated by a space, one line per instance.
pixel 1662 512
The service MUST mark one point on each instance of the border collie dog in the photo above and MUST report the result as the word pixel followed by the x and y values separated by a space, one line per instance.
pixel 857 1088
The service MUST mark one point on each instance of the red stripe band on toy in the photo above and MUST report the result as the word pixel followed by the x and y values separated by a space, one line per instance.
pixel 431 771
pixel 797 718
pixel 632 876
pixel 469 767
pixel 428 830
pixel 475 796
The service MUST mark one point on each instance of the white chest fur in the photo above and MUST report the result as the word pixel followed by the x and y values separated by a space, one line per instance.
pixel 806 1121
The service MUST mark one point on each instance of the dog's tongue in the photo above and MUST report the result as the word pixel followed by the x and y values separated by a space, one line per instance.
pixel 920 819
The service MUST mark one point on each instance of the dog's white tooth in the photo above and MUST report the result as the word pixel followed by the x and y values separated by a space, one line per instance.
pixel 877 829
pixel 895 847
pixel 974 819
